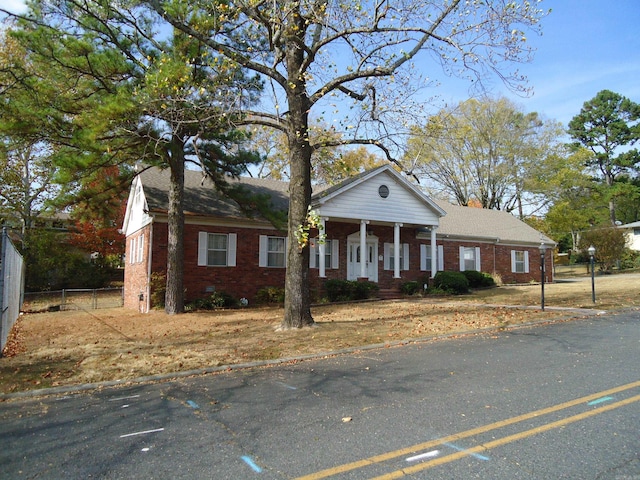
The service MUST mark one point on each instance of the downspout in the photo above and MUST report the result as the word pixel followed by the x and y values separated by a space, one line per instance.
pixel 149 263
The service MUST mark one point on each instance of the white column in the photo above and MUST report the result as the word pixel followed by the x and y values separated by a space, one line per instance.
pixel 321 250
pixel 434 252
pixel 396 250
pixel 363 248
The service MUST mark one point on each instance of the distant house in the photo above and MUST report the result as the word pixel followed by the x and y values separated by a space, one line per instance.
pixel 378 226
pixel 632 234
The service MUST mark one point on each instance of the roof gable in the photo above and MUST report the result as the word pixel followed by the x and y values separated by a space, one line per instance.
pixel 361 197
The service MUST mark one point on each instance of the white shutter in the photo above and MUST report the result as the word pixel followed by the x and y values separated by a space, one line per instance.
pixel 387 256
pixel 526 261
pixel 132 250
pixel 141 248
pixel 440 264
pixel 203 238
pixel 513 261
pixel 405 256
pixel 286 250
pixel 461 259
pixel 335 258
pixel 262 252
pixel 423 257
pixel 232 243
pixel 477 259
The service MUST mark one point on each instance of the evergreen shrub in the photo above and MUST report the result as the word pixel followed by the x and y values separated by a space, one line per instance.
pixel 451 282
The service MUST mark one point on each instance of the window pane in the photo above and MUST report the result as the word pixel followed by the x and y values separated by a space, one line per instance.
pixel 327 254
pixel 217 241
pixel 275 252
pixel 519 266
pixel 469 258
pixel 217 249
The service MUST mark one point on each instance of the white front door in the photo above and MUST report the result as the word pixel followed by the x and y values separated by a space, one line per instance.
pixel 354 259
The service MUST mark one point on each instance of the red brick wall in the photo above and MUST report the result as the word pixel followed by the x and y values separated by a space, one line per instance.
pixel 136 273
pixel 247 278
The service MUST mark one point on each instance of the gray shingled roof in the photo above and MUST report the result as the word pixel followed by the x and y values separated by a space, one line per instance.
pixel 200 198
pixel 487 224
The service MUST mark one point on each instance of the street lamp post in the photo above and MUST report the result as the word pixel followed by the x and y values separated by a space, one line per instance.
pixel 592 253
pixel 543 249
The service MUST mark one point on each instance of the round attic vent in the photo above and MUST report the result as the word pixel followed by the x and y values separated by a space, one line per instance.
pixel 383 191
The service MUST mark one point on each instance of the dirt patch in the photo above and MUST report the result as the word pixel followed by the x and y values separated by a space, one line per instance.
pixel 73 347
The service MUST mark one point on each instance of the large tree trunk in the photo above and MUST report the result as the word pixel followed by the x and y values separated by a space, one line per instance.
pixel 297 300
pixel 174 296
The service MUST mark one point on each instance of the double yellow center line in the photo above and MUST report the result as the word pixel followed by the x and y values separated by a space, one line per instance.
pixel 479 430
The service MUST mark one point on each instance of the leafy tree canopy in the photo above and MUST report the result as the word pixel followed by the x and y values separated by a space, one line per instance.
pixel 487 151
pixel 609 125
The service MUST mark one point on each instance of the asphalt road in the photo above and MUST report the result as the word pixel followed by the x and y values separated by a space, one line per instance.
pixel 557 401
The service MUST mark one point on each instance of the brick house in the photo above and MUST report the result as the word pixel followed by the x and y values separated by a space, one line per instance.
pixel 378 212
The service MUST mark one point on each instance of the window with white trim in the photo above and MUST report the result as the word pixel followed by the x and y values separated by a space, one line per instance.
pixel 389 256
pixel 133 250
pixel 136 249
pixel 331 257
pixel 140 248
pixel 519 261
pixel 470 259
pixel 273 251
pixel 217 249
pixel 425 257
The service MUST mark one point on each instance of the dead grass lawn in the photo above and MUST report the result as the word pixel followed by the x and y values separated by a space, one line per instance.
pixel 66 348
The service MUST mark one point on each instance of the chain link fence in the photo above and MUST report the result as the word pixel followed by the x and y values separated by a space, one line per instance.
pixel 11 286
pixel 72 299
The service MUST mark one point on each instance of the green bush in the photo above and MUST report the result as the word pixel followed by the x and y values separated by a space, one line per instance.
pixel 345 290
pixel 478 279
pixel 364 290
pixel 410 288
pixel 451 282
pixel 269 295
pixel 215 300
pixel 338 290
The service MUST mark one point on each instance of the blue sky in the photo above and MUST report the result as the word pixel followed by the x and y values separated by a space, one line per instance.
pixel 586 46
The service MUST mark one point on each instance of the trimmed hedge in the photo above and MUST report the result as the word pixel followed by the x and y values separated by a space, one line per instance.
pixel 479 279
pixel 345 290
pixel 410 288
pixel 451 282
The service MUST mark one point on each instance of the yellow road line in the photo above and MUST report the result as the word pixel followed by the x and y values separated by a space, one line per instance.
pixel 458 436
pixel 508 439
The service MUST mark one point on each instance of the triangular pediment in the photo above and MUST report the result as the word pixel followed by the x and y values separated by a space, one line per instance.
pixel 380 195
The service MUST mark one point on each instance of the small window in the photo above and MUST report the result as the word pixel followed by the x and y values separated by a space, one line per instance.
pixel 275 252
pixel 327 254
pixel 383 191
pixel 519 261
pixel 470 259
pixel 389 256
pixel 140 248
pixel 217 250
